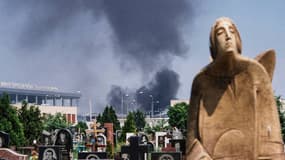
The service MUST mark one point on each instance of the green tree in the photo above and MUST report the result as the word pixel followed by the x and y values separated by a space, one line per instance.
pixel 281 115
pixel 99 118
pixel 178 115
pixel 82 126
pixel 109 116
pixel 32 122
pixel 129 126
pixel 159 127
pixel 57 121
pixel 10 122
pixel 139 120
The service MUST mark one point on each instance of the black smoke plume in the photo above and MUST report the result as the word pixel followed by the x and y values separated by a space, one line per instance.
pixel 159 91
pixel 148 31
pixel 162 88
pixel 66 38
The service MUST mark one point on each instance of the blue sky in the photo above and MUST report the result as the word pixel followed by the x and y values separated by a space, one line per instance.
pixel 92 45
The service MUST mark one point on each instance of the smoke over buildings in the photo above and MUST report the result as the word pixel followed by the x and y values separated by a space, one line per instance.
pixel 100 47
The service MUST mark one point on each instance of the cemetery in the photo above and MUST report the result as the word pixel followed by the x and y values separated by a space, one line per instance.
pixel 99 141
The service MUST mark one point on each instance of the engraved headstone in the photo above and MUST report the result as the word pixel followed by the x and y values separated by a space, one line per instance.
pixel 50 153
pixel 64 138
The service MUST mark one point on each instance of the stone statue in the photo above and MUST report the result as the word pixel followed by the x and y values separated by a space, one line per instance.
pixel 233 114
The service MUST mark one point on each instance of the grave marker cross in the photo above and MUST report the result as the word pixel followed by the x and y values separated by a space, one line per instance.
pixel 135 150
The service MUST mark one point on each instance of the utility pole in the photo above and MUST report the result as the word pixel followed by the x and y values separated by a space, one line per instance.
pixel 90 109
pixel 151 105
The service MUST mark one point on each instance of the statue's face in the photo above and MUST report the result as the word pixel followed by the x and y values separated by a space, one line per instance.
pixel 225 38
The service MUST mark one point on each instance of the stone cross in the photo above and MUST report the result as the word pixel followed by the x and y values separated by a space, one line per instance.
pixel 135 150
pixel 95 125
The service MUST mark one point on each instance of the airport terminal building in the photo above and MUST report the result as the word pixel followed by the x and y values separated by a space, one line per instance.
pixel 50 100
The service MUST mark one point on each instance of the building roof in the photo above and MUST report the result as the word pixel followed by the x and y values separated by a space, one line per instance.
pixel 29 89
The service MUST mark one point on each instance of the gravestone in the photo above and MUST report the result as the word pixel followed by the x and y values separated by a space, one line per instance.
pixel 143 138
pixel 4 139
pixel 176 133
pixel 135 150
pixel 92 155
pixel 161 141
pixel 169 148
pixel 166 156
pixel 101 143
pixel 64 138
pixel 50 153
pixel 46 138
pixel 128 135
pixel 158 137
pixel 179 145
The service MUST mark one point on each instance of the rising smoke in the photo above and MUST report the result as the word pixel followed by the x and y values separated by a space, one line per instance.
pixel 159 90
pixel 148 32
pixel 69 40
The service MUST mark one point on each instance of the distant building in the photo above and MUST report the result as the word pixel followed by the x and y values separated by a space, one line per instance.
pixel 150 121
pixel 50 100
pixel 176 101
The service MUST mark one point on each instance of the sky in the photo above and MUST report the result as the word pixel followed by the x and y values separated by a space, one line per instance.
pixel 109 49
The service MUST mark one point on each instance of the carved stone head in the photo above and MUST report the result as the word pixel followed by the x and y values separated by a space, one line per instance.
pixel 224 37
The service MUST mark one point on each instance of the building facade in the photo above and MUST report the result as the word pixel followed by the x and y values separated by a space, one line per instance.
pixel 50 100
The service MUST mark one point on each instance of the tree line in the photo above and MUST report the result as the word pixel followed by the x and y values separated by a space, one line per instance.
pixel 24 125
pixel 27 123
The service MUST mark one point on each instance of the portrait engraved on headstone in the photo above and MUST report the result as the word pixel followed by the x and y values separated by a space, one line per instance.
pixel 92 157
pixel 49 154
pixel 64 138
pixel 166 157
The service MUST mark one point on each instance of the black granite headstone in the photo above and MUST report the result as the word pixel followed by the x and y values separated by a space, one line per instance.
pixel 144 139
pixel 64 138
pixel 92 155
pixel 46 138
pixel 4 139
pixel 135 150
pixel 166 156
pixel 50 153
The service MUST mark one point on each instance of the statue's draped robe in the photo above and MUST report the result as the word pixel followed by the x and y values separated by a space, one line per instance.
pixel 234 116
